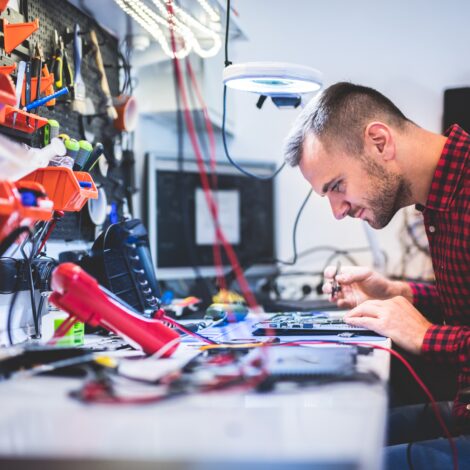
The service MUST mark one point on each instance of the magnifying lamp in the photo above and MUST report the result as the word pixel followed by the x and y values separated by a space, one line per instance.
pixel 283 82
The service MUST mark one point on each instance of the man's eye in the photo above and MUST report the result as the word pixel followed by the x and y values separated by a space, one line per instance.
pixel 336 187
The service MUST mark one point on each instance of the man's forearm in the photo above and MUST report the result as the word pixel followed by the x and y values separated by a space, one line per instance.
pixel 402 288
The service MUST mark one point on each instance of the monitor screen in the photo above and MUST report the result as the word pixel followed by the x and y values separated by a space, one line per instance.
pixel 180 225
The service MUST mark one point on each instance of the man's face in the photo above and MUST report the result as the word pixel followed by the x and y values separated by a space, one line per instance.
pixel 356 186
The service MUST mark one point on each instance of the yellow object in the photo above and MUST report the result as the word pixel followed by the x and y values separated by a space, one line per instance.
pixel 106 361
pixel 225 296
pixel 74 337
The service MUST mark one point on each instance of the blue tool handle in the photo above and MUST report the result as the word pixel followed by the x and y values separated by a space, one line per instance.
pixel 44 100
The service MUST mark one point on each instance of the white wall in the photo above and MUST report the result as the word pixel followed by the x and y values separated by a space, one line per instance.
pixel 409 50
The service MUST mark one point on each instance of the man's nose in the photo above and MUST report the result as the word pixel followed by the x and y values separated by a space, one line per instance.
pixel 339 207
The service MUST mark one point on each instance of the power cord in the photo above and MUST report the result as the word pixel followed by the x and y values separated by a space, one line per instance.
pixel 11 237
pixel 294 233
pixel 224 116
pixel 10 316
pixel 29 277
pixel 183 193
pixel 227 26
pixel 227 154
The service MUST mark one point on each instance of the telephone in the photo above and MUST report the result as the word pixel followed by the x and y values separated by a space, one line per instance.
pixel 120 260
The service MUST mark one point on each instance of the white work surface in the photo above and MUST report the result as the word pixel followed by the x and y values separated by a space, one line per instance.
pixel 335 426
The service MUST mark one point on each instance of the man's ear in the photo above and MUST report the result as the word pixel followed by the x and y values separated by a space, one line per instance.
pixel 378 139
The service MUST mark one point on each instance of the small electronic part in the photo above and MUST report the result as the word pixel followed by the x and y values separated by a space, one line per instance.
pixel 307 323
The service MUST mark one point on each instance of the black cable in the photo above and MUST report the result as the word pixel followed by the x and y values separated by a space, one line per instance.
pixel 244 266
pixel 294 233
pixel 29 278
pixel 314 249
pixel 10 316
pixel 224 112
pixel 227 26
pixel 11 237
pixel 227 154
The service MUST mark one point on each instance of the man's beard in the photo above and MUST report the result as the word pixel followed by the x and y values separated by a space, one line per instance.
pixel 389 193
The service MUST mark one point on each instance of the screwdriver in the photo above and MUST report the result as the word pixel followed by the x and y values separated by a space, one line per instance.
pixel 94 156
pixel 46 99
pixel 83 154
pixel 51 130
pixel 36 71
pixel 72 147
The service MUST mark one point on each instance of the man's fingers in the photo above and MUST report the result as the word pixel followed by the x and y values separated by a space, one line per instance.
pixel 348 274
pixel 369 308
pixel 329 272
pixel 327 288
pixel 353 274
pixel 364 322
pixel 346 303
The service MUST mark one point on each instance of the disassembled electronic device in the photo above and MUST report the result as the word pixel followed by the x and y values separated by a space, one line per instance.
pixel 308 323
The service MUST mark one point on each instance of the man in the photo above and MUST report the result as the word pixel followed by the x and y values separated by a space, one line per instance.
pixel 354 146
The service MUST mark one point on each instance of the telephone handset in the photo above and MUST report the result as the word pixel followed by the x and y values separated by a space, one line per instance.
pixel 120 260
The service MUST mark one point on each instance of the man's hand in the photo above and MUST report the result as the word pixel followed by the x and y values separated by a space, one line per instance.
pixel 359 283
pixel 395 318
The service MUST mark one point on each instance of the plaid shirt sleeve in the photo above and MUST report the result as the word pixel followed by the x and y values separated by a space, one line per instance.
pixel 425 296
pixel 447 344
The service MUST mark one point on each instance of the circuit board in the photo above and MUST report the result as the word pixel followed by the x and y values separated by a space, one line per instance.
pixel 308 323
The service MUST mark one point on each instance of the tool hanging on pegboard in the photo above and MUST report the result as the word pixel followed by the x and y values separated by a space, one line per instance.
pixel 50 47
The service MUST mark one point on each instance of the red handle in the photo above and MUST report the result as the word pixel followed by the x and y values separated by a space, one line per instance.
pixel 79 294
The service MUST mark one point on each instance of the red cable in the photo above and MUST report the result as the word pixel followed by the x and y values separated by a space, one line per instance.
pixel 205 182
pixel 186 330
pixel 411 371
pixel 216 247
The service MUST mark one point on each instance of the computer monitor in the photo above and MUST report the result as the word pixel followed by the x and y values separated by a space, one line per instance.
pixel 180 226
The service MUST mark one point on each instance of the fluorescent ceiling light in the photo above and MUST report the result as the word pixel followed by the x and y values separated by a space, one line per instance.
pixel 272 78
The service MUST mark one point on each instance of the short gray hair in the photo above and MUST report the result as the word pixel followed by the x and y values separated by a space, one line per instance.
pixel 339 115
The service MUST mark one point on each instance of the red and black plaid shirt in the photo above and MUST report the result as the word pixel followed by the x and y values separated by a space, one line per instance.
pixel 447 222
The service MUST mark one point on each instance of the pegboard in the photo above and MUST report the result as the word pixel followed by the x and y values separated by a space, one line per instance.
pixel 61 16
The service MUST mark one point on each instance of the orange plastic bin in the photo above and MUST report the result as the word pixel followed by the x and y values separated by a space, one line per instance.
pixel 12 211
pixel 62 185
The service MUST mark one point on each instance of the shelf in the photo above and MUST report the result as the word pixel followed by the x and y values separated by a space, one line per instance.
pixel 14 211
pixel 25 122
pixel 65 187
